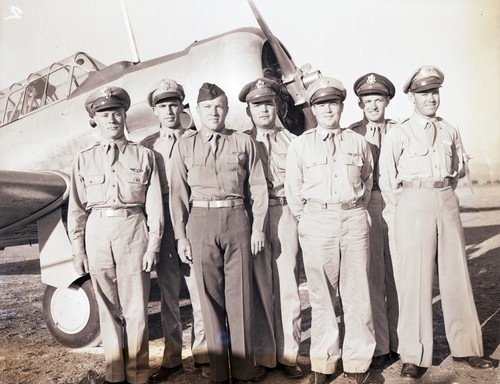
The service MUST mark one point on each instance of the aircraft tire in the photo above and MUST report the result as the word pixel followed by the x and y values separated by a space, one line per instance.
pixel 71 314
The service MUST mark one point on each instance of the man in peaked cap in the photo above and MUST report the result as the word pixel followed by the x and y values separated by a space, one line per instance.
pixel 276 270
pixel 329 172
pixel 375 92
pixel 115 223
pixel 420 164
pixel 166 97
pixel 213 172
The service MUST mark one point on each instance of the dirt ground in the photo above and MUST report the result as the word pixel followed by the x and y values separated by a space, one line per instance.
pixel 28 354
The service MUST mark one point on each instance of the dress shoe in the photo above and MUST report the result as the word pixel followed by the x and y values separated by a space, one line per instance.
pixel 259 373
pixel 379 362
pixel 164 373
pixel 358 377
pixel 204 369
pixel 290 371
pixel 475 362
pixel 410 371
pixel 318 378
pixel 394 355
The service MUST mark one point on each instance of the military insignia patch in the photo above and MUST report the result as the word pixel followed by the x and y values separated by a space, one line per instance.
pixel 371 79
pixel 260 84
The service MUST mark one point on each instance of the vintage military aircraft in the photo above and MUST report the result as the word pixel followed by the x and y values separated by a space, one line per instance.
pixel 43 125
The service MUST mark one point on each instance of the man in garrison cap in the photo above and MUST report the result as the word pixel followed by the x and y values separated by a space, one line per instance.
pixel 420 164
pixel 276 270
pixel 165 98
pixel 213 172
pixel 329 172
pixel 375 92
pixel 115 223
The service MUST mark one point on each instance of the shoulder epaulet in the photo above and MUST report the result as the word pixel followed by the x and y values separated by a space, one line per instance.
pixel 149 141
pixel 189 133
pixel 247 132
pixel 309 131
pixel 391 121
pixel 404 120
pixel 96 144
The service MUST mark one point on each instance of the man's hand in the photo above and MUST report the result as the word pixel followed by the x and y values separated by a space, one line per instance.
pixel 149 260
pixel 184 251
pixel 257 242
pixel 81 263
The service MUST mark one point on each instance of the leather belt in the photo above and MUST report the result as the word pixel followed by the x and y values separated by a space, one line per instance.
pixel 277 201
pixel 116 212
pixel 419 184
pixel 229 203
pixel 336 206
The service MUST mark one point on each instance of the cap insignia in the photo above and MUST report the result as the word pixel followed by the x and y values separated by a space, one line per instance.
pixel 260 84
pixel 165 86
pixel 371 79
pixel 107 92
pixel 425 72
pixel 324 83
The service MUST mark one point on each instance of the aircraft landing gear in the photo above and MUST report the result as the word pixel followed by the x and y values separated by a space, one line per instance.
pixel 72 315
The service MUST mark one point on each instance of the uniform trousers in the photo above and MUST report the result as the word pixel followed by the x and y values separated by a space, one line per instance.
pixel 115 248
pixel 285 250
pixel 429 234
pixel 220 242
pixel 199 347
pixel 169 280
pixel 383 292
pixel 335 247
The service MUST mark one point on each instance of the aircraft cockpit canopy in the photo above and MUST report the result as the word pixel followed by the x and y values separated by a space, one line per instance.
pixel 46 87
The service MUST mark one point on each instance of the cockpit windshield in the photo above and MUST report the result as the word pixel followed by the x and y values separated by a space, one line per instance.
pixel 45 87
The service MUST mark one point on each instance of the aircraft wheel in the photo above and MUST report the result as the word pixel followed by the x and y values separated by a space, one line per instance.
pixel 72 315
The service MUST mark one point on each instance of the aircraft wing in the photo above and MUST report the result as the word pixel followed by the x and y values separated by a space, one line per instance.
pixel 28 196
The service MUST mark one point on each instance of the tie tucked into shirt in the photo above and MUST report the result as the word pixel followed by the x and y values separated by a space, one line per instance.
pixel 330 143
pixel 430 130
pixel 214 141
pixel 375 130
pixel 112 153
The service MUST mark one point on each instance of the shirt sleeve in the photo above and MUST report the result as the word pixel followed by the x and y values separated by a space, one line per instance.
pixel 77 214
pixel 257 187
pixel 153 206
pixel 388 161
pixel 180 193
pixel 294 181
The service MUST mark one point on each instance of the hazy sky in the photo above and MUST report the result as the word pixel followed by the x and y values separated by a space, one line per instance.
pixel 342 38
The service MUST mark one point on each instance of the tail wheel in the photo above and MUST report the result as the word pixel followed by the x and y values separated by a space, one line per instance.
pixel 72 315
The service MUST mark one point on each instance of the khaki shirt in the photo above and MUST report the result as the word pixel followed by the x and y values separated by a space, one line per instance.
pixel 162 143
pixel 273 146
pixel 314 174
pixel 198 174
pixel 407 154
pixel 368 130
pixel 132 181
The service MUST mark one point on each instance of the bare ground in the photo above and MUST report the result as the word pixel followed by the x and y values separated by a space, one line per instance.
pixel 28 354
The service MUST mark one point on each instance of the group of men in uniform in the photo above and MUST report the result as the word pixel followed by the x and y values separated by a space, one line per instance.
pixel 371 209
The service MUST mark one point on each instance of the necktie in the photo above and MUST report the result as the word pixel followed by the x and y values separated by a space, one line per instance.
pixel 112 153
pixel 267 142
pixel 430 130
pixel 376 135
pixel 214 142
pixel 330 144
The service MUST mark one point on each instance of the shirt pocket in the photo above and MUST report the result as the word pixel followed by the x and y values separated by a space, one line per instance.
pixel 94 186
pixel 417 151
pixel 236 161
pixel 136 184
pixel 315 161
pixel 448 156
pixel 279 164
pixel 353 163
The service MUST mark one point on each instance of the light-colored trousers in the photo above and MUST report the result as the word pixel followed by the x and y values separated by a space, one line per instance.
pixel 335 247
pixel 115 248
pixel 429 234
pixel 383 292
pixel 285 249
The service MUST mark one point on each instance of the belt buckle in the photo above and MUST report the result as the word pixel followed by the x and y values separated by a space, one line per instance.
pixel 109 213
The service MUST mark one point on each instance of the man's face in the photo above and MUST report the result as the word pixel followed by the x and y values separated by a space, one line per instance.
pixel 373 107
pixel 426 103
pixel 328 113
pixel 111 123
pixel 213 113
pixel 263 113
pixel 169 112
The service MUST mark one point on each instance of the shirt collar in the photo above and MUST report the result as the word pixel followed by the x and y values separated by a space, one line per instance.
pixel 170 133
pixel 323 132
pixel 206 134
pixel 263 132
pixel 121 144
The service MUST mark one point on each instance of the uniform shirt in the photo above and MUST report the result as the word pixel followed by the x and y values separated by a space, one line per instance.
pixel 407 154
pixel 314 174
pixel 374 134
pixel 273 145
pixel 198 174
pixel 162 143
pixel 132 181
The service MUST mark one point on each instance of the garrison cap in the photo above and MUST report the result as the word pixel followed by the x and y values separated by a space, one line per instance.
pixel 325 88
pixel 374 84
pixel 209 91
pixel 165 89
pixel 258 90
pixel 423 79
pixel 105 98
